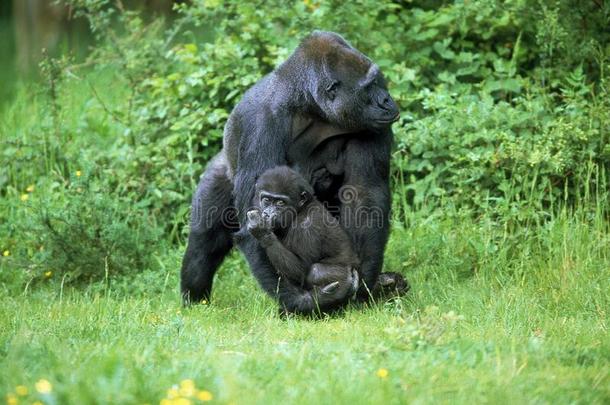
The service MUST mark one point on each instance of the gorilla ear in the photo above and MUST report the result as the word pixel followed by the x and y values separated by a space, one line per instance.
pixel 305 197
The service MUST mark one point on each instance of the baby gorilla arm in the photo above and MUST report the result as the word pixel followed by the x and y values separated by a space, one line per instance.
pixel 286 263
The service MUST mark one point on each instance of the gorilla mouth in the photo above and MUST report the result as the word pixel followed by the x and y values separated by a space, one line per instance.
pixel 389 121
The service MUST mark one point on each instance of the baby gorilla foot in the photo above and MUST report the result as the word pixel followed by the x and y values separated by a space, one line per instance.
pixel 333 283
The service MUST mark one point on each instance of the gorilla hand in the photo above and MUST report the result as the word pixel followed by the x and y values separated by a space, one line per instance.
pixel 257 226
pixel 389 285
pixel 260 228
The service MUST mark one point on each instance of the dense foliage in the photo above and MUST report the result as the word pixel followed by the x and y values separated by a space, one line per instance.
pixel 505 112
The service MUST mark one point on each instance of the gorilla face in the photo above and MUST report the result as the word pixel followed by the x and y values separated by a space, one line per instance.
pixel 360 102
pixel 350 90
pixel 276 209
pixel 281 193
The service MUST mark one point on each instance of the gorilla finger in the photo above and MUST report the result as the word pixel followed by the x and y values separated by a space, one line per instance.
pixel 386 280
pixel 253 215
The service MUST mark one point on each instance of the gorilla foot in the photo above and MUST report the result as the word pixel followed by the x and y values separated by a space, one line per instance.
pixel 390 285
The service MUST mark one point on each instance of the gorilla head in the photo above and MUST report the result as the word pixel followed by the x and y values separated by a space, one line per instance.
pixel 281 193
pixel 347 89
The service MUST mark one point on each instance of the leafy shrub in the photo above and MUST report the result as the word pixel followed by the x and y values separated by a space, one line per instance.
pixel 78 232
pixel 498 107
pixel 507 156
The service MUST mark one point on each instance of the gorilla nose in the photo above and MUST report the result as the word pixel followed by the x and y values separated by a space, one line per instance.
pixel 388 104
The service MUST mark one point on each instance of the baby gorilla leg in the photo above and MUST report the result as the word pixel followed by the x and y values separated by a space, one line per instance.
pixel 328 278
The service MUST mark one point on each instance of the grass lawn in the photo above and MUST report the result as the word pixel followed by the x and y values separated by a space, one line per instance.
pixel 492 317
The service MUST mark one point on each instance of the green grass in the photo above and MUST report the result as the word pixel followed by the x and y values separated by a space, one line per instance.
pixel 490 319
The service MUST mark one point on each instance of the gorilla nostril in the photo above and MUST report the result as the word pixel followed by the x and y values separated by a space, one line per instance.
pixel 385 103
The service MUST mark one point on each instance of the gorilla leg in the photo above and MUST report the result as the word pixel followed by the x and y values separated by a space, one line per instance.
pixel 365 210
pixel 210 239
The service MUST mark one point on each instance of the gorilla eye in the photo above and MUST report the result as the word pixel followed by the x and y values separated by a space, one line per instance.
pixel 281 203
pixel 265 200
pixel 331 89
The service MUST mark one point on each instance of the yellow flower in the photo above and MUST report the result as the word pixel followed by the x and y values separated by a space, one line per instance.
pixel 172 393
pixel 78 173
pixel 30 188
pixel 6 253
pixel 43 386
pixel 48 274
pixel 205 396
pixel 187 388
pixel 382 373
pixel 21 390
pixel 24 197
pixel 11 399
pixel 182 401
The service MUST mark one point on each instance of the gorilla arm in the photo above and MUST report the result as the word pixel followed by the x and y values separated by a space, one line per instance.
pixel 285 262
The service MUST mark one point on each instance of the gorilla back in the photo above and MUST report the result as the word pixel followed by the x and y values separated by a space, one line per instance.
pixel 327 112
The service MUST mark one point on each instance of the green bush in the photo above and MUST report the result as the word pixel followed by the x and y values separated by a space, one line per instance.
pixel 78 232
pixel 500 104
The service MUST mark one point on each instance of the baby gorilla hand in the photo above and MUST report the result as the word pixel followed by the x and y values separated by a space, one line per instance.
pixel 256 224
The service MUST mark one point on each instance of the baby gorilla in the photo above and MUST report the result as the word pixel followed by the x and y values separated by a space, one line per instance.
pixel 303 241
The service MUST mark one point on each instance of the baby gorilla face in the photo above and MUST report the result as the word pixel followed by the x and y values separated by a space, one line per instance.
pixel 277 210
pixel 282 193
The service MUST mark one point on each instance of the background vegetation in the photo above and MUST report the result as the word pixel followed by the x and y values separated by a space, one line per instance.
pixel 501 222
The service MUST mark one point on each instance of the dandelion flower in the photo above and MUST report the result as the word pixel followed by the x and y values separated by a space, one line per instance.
pixel 43 386
pixel 187 388
pixel 11 399
pixel 172 393
pixel 48 274
pixel 6 253
pixel 205 396
pixel 182 401
pixel 24 197
pixel 30 188
pixel 382 373
pixel 78 173
pixel 21 390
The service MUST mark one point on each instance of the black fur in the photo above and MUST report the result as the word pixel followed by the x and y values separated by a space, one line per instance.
pixel 326 111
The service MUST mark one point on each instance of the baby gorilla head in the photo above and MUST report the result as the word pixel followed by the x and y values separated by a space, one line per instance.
pixel 280 194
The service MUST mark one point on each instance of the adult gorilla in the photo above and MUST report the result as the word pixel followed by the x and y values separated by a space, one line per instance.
pixel 326 111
